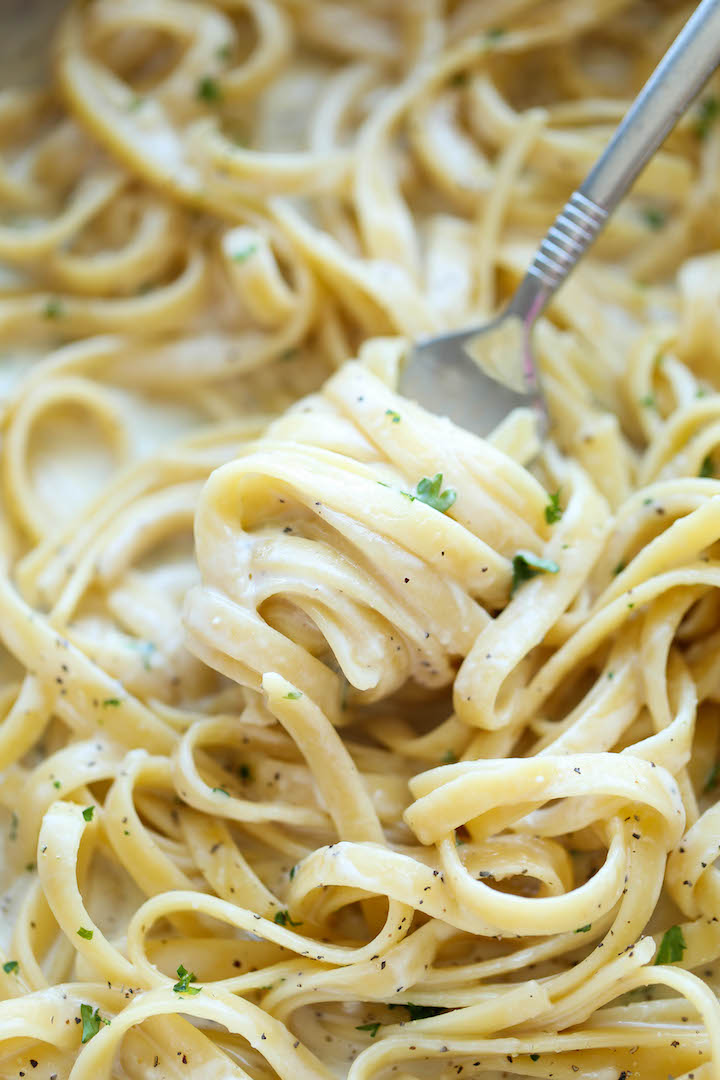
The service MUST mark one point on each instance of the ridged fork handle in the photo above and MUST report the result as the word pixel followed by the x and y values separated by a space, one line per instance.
pixel 677 79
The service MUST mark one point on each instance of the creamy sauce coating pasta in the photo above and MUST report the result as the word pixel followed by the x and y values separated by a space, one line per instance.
pixel 334 740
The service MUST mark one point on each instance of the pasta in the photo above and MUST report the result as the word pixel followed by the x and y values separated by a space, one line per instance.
pixel 336 740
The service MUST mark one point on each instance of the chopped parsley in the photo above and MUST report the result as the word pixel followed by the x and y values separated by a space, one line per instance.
pixel 14 823
pixel 429 491
pixel 244 254
pixel 88 813
pixel 706 116
pixel 57 784
pixel 448 757
pixel 208 89
pixel 648 402
pixel 221 791
pixel 619 568
pixel 712 780
pixel 293 695
pixel 372 1028
pixel 282 918
pixel 83 933
pixel 91 1022
pixel 53 309
pixel 495 33
pixel 654 217
pixel 10 967
pixel 526 565
pixel 553 510
pixel 672 946
pixel 182 986
pixel 534 1057
pixel 707 469
pixel 292 872
pixel 583 929
pixel 419 1012
pixel 395 415
pixel 111 702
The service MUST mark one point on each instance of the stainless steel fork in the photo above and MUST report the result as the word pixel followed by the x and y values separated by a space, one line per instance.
pixel 448 374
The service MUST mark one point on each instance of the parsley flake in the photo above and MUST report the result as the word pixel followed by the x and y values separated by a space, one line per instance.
pixel 244 254
pixel 526 565
pixel 83 933
pixel 293 695
pixel 420 1012
pixel 707 469
pixel 648 402
pixel 672 946
pixel 707 114
pixel 495 33
pixel 553 510
pixel 208 89
pixel 654 217
pixel 395 415
pixel 712 780
pixel 221 791
pixel 53 309
pixel 111 702
pixel 182 986
pixel 282 918
pixel 583 929
pixel 91 1022
pixel 372 1028
pixel 88 813
pixel 11 967
pixel 449 757
pixel 429 492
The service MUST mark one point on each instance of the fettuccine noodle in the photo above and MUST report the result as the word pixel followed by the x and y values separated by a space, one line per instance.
pixel 337 741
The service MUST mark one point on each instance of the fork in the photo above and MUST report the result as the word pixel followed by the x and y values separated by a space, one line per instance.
pixel 464 374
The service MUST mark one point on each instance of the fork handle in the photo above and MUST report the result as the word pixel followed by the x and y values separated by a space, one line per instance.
pixel 680 75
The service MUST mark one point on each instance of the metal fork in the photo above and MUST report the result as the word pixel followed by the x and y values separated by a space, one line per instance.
pixel 440 372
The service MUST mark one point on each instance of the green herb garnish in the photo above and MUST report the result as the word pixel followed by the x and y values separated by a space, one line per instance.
pixel 672 946
pixel 583 929
pixel 208 89
pixel 553 510
pixel 448 757
pixel 91 1022
pixel 83 933
pixel 712 780
pixel 282 918
pixel 495 33
pixel 526 565
pixel 182 986
pixel 10 967
pixel 707 113
pixel 707 469
pixel 221 791
pixel 372 1028
pixel 53 309
pixel 395 415
pixel 88 813
pixel 111 702
pixel 429 491
pixel 419 1012
pixel 654 217
pixel 292 695
pixel 244 253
